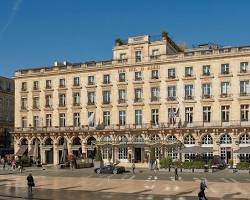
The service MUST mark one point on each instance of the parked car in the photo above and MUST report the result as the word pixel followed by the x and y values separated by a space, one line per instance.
pixel 110 169
pixel 218 163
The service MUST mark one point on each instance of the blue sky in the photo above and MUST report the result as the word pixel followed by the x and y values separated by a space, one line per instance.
pixel 35 33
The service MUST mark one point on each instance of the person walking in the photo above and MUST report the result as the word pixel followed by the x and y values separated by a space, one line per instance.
pixel 176 176
pixel 30 182
pixel 201 194
pixel 133 167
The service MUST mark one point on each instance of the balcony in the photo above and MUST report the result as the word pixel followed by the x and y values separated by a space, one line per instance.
pixel 188 97
pixel 138 100
pixel 76 105
pixel 123 60
pixel 24 89
pixel 61 105
pixel 91 103
pixel 106 102
pixel 244 94
pixel 154 57
pixel 35 107
pixel 171 76
pixel 138 59
pixel 189 77
pixel 172 98
pixel 24 109
pixel 155 99
pixel 206 96
pixel 122 101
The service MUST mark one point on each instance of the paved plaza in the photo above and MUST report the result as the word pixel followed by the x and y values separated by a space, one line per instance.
pixel 52 183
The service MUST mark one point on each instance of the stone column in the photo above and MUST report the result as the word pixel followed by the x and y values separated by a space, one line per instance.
pixel 42 154
pixel 55 154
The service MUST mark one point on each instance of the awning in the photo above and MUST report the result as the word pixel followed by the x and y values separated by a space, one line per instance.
pixel 196 149
pixel 31 152
pixel 21 150
pixel 243 150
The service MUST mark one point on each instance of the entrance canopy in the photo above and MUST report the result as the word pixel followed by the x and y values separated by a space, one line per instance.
pixel 196 150
pixel 243 150
pixel 22 150
pixel 31 152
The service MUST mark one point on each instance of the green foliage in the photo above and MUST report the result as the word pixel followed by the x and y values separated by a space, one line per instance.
pixel 178 163
pixel 164 34
pixel 193 165
pixel 243 165
pixel 25 158
pixel 119 41
pixel 166 162
pixel 187 165
pixel 98 156
pixel 152 153
pixel 231 163
pixel 198 157
pixel 210 163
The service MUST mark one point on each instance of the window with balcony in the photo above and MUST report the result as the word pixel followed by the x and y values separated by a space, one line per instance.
pixel 138 56
pixel 106 97
pixel 24 103
pixel 24 122
pixel 62 83
pixel 171 73
pixel 48 84
pixel 91 98
pixel 154 94
pixel 244 112
pixel 106 118
pixel 244 88
pixel 62 120
pixel 76 119
pixel 206 90
pixel 76 81
pixel 225 89
pixel 122 118
pixel 225 68
pixel 24 86
pixel 207 114
pixel 172 114
pixel 188 71
pixel 48 101
pixel 123 58
pixel 91 80
pixel 206 70
pixel 155 117
pixel 188 92
pixel 35 102
pixel 106 79
pixel 138 76
pixel 35 121
pixel 155 74
pixel 138 117
pixel 138 95
pixel 189 114
pixel 35 85
pixel 243 67
pixel 48 120
pixel 122 96
pixel 76 99
pixel 62 100
pixel 171 93
pixel 91 119
pixel 225 113
pixel 122 77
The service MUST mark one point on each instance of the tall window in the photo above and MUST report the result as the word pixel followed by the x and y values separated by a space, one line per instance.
pixel 172 92
pixel 35 85
pixel 243 67
pixel 91 119
pixel 244 112
pixel 206 90
pixel 188 91
pixel 48 120
pixel 106 118
pixel 138 117
pixel 206 70
pixel 35 102
pixel 76 81
pixel 91 80
pixel 225 113
pixel 122 95
pixel 122 77
pixel 244 139
pixel 189 139
pixel 225 68
pixel 189 114
pixel 48 101
pixel 62 121
pixel 123 153
pixel 77 120
pixel 48 84
pixel 91 98
pixel 226 139
pixel 155 117
pixel 138 94
pixel 206 113
pixel 24 122
pixel 138 56
pixel 62 83
pixel 138 76
pixel 188 71
pixel 35 121
pixel 106 97
pixel 106 79
pixel 62 100
pixel 207 139
pixel 76 99
pixel 225 88
pixel 155 74
pixel 24 86
pixel 24 104
pixel 244 87
pixel 171 73
pixel 154 94
pixel 122 118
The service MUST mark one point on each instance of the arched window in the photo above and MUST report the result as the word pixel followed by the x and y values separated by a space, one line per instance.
pixel 76 141
pixel 155 138
pixel 34 141
pixel 48 141
pixel 226 139
pixel 171 138
pixel 61 141
pixel 106 139
pixel 123 139
pixel 24 141
pixel 138 139
pixel 244 139
pixel 189 139
pixel 207 139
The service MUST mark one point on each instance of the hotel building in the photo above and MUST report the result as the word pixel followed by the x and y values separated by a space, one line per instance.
pixel 152 94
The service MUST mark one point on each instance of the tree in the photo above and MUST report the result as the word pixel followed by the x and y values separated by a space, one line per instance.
pixel 98 156
pixel 152 154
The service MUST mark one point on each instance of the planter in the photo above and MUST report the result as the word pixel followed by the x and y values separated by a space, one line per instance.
pixel 243 171
pixel 98 164
pixel 199 170
pixel 187 170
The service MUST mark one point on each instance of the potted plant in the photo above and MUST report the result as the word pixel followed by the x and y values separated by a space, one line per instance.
pixel 98 159
pixel 118 42
pixel 243 167
pixel 164 35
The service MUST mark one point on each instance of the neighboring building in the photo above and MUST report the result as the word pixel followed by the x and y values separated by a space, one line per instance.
pixel 6 115
pixel 151 94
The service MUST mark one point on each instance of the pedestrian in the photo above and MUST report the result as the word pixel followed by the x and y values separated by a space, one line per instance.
pixel 176 173
pixel 20 166
pixel 203 186
pixel 155 166
pixel 30 182
pixel 133 167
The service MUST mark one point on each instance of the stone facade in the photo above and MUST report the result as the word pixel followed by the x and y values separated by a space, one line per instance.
pixel 151 94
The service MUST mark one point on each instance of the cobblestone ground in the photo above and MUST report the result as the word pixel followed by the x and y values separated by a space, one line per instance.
pixel 52 183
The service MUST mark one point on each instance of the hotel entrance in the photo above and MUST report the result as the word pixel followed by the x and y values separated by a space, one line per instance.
pixel 226 154
pixel 137 155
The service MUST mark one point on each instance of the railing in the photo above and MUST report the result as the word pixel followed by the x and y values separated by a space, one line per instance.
pixel 189 98
pixel 155 99
pixel 154 57
pixel 138 100
pixel 244 94
pixel 91 103
pixel 165 125
pixel 171 98
pixel 124 60
pixel 122 101
pixel 225 95
pixel 206 96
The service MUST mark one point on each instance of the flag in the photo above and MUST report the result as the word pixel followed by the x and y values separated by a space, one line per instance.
pixel 91 119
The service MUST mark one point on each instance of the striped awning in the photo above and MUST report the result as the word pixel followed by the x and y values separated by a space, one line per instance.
pixel 31 151
pixel 21 150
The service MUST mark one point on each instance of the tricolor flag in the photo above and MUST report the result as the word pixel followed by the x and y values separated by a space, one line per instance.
pixel 91 119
